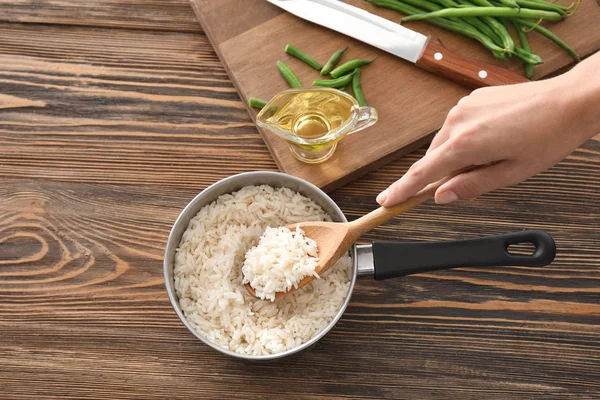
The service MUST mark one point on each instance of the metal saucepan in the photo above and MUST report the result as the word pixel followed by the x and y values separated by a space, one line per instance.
pixel 381 259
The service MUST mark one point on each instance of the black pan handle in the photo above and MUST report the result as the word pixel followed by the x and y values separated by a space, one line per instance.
pixel 392 259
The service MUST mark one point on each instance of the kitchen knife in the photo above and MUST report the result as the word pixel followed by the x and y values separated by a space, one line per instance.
pixel 425 52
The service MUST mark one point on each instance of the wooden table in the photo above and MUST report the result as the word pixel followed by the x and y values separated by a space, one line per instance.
pixel 115 113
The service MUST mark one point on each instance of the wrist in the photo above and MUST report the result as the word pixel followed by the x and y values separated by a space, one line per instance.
pixel 579 94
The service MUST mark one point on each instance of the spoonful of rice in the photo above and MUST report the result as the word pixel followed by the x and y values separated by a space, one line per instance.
pixel 281 260
pixel 290 257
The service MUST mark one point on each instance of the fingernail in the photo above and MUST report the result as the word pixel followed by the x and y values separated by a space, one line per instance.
pixel 446 197
pixel 383 196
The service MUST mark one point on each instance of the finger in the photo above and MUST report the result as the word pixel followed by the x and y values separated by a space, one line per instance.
pixel 432 167
pixel 480 181
pixel 444 133
pixel 439 139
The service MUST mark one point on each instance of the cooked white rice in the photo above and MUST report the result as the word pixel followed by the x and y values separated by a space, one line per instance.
pixel 280 260
pixel 208 276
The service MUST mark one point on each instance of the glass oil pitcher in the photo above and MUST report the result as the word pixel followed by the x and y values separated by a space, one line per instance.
pixel 313 120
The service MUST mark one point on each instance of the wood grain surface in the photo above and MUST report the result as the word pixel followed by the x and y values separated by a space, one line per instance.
pixel 412 103
pixel 106 134
pixel 169 15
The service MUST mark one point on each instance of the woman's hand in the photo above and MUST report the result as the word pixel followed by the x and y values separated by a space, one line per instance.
pixel 512 132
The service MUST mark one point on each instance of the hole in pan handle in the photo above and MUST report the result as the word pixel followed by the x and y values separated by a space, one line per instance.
pixel 393 259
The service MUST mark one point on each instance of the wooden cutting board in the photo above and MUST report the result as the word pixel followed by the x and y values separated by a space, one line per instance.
pixel 250 36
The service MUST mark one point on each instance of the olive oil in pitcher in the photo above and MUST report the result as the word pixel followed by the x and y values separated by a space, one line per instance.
pixel 313 114
pixel 314 120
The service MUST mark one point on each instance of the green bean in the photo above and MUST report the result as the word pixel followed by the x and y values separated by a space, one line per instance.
pixel 475 22
pixel 489 31
pixel 528 57
pixel 489 28
pixel 288 75
pixel 499 54
pixel 358 93
pixel 502 33
pixel 439 5
pixel 499 34
pixel 349 66
pixel 541 6
pixel 503 37
pixel 487 11
pixel 510 3
pixel 300 55
pixel 481 3
pixel 445 3
pixel 338 83
pixel 526 46
pixel 424 4
pixel 441 22
pixel 540 29
pixel 333 60
pixel 534 5
pixel 544 2
pixel 485 28
pixel 256 103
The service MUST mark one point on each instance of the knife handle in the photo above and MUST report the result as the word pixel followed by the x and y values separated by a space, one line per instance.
pixel 470 73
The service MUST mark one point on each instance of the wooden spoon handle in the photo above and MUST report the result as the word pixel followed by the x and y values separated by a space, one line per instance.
pixel 383 214
pixel 470 73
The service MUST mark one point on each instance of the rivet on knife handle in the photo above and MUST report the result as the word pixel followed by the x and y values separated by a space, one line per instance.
pixel 472 73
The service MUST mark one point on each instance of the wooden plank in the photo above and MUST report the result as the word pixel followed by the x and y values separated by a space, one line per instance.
pixel 168 90
pixel 167 15
pixel 412 103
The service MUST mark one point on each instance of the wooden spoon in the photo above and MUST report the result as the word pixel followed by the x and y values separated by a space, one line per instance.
pixel 335 238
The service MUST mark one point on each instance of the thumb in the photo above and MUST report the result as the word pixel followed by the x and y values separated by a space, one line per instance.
pixel 477 182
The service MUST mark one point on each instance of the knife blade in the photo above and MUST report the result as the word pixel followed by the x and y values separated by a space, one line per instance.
pixel 359 24
pixel 427 53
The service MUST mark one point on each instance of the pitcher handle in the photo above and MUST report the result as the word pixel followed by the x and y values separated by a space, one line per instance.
pixel 367 116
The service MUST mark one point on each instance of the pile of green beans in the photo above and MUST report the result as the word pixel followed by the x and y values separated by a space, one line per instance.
pixel 486 21
pixel 342 76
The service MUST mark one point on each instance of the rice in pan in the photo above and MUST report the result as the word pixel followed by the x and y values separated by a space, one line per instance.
pixel 208 277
